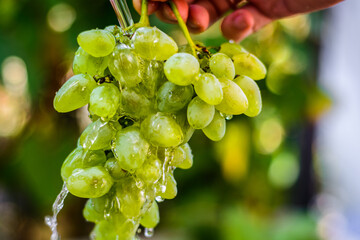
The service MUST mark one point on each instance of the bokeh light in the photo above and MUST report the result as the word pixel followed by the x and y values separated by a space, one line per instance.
pixel 14 98
pixel 283 170
pixel 269 135
pixel 233 151
pixel 60 17
pixel 14 75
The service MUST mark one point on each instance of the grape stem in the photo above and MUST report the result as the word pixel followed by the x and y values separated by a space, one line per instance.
pixel 183 28
pixel 144 19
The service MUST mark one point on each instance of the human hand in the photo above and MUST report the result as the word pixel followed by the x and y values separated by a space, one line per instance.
pixel 200 14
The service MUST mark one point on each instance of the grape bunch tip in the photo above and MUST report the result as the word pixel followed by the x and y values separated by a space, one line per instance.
pixel 146 96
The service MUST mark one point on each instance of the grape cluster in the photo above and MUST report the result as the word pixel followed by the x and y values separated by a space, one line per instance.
pixel 145 98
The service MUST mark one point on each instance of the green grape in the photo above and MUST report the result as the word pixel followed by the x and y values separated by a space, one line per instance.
pixel 75 93
pixel 252 93
pixel 95 209
pixel 152 44
pixel 188 133
pixel 199 113
pixel 98 135
pixel 124 65
pixel 91 182
pixel 131 198
pixel 162 130
pixel 181 119
pixel 134 104
pixel 249 65
pixel 90 214
pixel 98 43
pixel 172 98
pixel 81 158
pixel 216 129
pixel 234 101
pixel 182 69
pixel 188 161
pixel 152 78
pixel 222 66
pixel 113 167
pixel 105 100
pixel 150 171
pixel 130 148
pixel 178 156
pixel 209 89
pixel 231 49
pixel 87 64
pixel 124 227
pixel 152 217
pixel 182 157
pixel 169 191
pixel 117 227
pixel 104 230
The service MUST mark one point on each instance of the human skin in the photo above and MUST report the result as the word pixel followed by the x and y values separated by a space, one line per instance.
pixel 200 14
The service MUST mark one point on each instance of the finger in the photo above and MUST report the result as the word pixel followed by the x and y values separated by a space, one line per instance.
pixel 152 6
pixel 204 13
pixel 199 18
pixel 166 14
pixel 243 22
pixel 282 8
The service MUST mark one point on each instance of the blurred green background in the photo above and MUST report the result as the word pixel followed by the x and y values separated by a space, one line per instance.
pixel 258 183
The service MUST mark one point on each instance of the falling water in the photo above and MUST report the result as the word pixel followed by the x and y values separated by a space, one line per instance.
pixel 51 221
pixel 149 232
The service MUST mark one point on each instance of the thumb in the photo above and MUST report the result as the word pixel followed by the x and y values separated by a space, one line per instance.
pixel 243 22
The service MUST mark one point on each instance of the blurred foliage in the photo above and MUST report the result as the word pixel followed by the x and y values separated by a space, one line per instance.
pixel 243 187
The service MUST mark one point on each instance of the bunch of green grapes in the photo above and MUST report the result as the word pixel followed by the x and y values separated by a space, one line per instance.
pixel 146 97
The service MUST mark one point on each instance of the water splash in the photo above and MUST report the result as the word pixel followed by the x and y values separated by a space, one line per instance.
pixel 149 232
pixel 51 221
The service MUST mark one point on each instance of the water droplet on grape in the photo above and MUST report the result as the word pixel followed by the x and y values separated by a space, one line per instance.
pixel 159 199
pixel 226 116
pixel 149 232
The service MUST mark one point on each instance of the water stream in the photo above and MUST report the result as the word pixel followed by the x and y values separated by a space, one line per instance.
pixel 51 221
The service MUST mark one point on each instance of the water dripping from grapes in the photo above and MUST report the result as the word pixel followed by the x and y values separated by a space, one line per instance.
pixel 51 221
pixel 159 199
pixel 149 232
pixel 226 116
